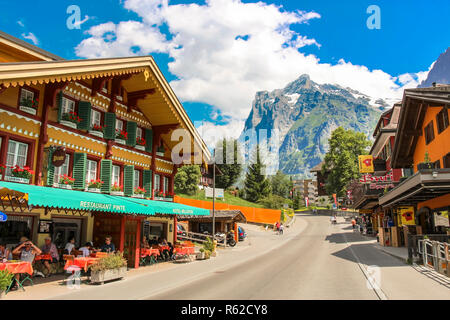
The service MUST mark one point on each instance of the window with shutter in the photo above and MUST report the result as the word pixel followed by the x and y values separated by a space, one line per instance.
pixel 84 112
pixel 50 168
pixel 115 175
pixel 79 170
pixel 128 180
pixel 147 182
pixel 132 130
pixel 59 103
pixel 106 175
pixel 110 126
pixel 429 133
pixel 63 170
pixel 149 140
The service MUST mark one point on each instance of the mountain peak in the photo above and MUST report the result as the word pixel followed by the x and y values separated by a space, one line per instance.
pixel 440 73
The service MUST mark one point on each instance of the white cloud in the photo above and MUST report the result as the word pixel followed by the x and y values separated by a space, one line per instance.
pixel 32 37
pixel 224 51
pixel 212 132
pixel 20 23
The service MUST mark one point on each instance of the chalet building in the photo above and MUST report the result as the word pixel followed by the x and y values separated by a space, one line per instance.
pixel 423 147
pixel 321 179
pixel 85 149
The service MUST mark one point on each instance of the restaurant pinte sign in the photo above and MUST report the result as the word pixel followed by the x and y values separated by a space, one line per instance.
pixel 366 164
pixel 58 157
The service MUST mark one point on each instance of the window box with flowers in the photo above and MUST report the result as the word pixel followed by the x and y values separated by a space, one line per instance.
pixel 139 193
pixel 20 175
pixel 95 186
pixel 66 182
pixel 29 105
pixel 70 119
pixel 121 136
pixel 116 190
pixel 159 195
pixel 97 131
pixel 169 197
pixel 140 144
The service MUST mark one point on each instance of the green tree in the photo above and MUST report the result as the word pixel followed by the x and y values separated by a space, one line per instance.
pixel 298 201
pixel 281 184
pixel 342 159
pixel 273 201
pixel 187 179
pixel 256 185
pixel 230 167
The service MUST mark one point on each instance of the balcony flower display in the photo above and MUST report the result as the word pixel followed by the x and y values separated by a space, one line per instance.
pixel 169 195
pixel 66 180
pixel 98 128
pixel 24 173
pixel 71 117
pixel 30 103
pixel 95 184
pixel 140 142
pixel 121 134
pixel 2 168
pixel 139 190
pixel 116 188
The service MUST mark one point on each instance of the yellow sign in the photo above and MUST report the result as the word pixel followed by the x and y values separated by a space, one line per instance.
pixel 406 216
pixel 365 164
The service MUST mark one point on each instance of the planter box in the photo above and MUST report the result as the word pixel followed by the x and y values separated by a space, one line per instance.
pixel 16 179
pixel 64 186
pixel 158 198
pixel 68 124
pixel 29 110
pixel 140 196
pixel 425 166
pixel 117 193
pixel 121 141
pixel 107 275
pixel 168 199
pixel 201 256
pixel 94 190
pixel 142 148
pixel 161 154
pixel 96 133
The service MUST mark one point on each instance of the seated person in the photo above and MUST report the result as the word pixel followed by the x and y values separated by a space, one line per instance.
pixel 70 246
pixel 27 251
pixel 86 249
pixel 108 246
pixel 145 243
pixel 50 248
pixel 5 253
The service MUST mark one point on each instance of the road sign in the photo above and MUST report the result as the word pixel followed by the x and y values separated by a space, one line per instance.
pixel 209 192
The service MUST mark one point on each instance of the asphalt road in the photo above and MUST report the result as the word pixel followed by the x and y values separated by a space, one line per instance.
pixel 323 262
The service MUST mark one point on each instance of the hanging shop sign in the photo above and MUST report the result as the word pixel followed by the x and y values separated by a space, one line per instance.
pixel 378 186
pixel 58 157
pixel 366 164
pixel 3 217
pixel 406 215
pixel 45 226
pixel 441 218
pixel 368 178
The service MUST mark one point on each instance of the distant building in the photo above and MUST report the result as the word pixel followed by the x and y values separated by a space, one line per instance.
pixel 307 188
pixel 321 179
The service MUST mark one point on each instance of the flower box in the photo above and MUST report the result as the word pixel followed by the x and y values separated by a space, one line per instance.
pixel 96 133
pixel 121 141
pixel 94 190
pixel 29 110
pixel 158 198
pixel 17 179
pixel 168 199
pixel 142 148
pixel 117 193
pixel 64 186
pixel 68 124
pixel 161 154
pixel 107 275
pixel 140 196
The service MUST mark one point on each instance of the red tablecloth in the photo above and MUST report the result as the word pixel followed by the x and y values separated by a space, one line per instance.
pixel 185 250
pixel 43 257
pixel 83 263
pixel 149 252
pixel 162 248
pixel 17 267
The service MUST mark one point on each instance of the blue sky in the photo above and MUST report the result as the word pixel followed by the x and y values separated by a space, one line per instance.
pixel 412 35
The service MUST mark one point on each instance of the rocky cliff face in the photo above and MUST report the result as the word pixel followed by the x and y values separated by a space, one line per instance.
pixel 440 73
pixel 305 113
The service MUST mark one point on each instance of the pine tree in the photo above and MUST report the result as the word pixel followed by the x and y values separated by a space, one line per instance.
pixel 231 170
pixel 257 186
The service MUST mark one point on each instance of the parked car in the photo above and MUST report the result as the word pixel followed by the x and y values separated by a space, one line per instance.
pixel 181 231
pixel 242 234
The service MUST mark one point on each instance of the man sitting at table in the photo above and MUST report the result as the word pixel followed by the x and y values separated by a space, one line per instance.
pixel 86 249
pixel 108 246
pixel 50 248
pixel 145 243
pixel 27 251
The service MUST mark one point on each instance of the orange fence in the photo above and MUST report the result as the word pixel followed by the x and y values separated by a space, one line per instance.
pixel 257 215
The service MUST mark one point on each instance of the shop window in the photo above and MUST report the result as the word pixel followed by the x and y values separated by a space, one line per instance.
pixel 14 228
pixel 429 133
pixel 157 182
pixel 91 170
pixel 16 155
pixel 137 175
pixel 446 160
pixel 96 118
pixel 63 170
pixel 442 120
pixel 64 230
pixel 115 175
pixel 68 105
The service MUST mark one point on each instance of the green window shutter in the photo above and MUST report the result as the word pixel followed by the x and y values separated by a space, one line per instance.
pixel 79 170
pixel 131 130
pixel 110 126
pixel 59 98
pixel 148 140
pixel 147 182
pixel 105 175
pixel 50 168
pixel 84 112
pixel 128 180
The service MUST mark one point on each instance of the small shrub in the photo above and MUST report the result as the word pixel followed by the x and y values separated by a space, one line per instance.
pixel 5 279
pixel 111 261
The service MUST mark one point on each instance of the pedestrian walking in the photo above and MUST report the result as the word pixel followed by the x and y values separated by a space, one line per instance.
pixel 281 229
pixel 353 223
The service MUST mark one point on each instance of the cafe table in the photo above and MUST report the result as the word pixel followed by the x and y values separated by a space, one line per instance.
pixel 153 253
pixel 18 267
pixel 82 262
pixel 184 251
pixel 43 257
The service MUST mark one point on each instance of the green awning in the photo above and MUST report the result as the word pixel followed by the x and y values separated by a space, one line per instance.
pixel 79 200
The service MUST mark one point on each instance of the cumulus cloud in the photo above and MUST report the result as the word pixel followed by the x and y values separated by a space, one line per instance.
pixel 224 51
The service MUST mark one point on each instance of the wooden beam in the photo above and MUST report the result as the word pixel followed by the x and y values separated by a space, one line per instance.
pixel 2 88
pixel 98 84
pixel 135 96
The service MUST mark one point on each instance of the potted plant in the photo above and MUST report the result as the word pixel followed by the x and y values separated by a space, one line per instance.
pixel 95 186
pixel 426 164
pixel 139 192
pixel 121 136
pixel 201 255
pixel 66 182
pixel 97 130
pixel 70 119
pixel 140 144
pixel 20 175
pixel 29 105
pixel 111 267
pixel 116 190
pixel 5 280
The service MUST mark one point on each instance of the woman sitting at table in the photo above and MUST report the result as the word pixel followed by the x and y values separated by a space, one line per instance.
pixel 27 251
pixel 145 243
pixel 5 253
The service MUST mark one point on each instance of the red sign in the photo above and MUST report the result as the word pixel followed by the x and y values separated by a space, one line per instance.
pixel 368 178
